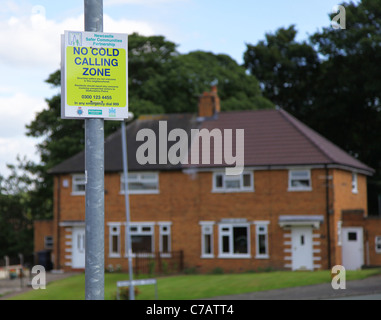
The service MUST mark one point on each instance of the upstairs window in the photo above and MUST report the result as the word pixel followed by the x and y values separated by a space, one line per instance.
pixel 78 184
pixel 234 183
pixel 299 180
pixel 141 182
pixel 354 182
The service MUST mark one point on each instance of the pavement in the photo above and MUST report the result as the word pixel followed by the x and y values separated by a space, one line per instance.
pixel 366 289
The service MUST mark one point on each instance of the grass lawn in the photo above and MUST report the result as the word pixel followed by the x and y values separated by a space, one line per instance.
pixel 188 287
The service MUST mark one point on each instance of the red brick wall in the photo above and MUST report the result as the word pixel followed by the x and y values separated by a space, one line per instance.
pixel 42 228
pixel 185 200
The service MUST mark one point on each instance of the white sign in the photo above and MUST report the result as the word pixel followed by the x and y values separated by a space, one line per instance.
pixel 94 75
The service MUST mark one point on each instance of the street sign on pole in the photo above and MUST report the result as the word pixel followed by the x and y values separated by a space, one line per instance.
pixel 95 81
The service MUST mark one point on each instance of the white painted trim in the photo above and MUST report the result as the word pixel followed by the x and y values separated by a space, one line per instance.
pixel 234 256
pixel 144 191
pixel 164 223
pixel 225 178
pixel 74 183
pixel 206 223
pixel 291 188
pixel 229 233
pixel 263 256
pixel 211 225
pixel 375 243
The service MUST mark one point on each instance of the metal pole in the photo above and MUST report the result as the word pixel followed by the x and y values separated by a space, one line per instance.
pixel 126 197
pixel 94 164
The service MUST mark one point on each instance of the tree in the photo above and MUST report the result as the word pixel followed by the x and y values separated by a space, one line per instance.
pixel 331 82
pixel 16 232
pixel 189 75
pixel 285 68
pixel 351 87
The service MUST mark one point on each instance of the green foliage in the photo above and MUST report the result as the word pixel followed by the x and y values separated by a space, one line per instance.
pixel 331 82
pixel 217 270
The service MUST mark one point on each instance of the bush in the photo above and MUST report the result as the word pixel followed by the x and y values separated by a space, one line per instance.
pixel 217 270
pixel 124 293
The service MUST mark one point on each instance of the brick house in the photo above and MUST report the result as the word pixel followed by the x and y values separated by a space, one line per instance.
pixel 300 202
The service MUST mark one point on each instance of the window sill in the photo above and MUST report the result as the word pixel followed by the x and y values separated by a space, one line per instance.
pixel 114 256
pixel 355 191
pixel 299 189
pixel 78 193
pixel 262 257
pixel 207 256
pixel 231 190
pixel 141 192
pixel 141 255
pixel 234 256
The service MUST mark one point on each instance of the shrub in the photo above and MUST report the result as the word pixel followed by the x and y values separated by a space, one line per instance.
pixel 124 293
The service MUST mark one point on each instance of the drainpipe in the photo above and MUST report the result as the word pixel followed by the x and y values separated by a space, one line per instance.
pixel 327 214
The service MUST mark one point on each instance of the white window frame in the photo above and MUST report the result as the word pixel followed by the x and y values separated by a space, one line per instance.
pixel 258 226
pixel 162 232
pixel 207 228
pixel 48 242
pixel 139 179
pixel 302 188
pixel 112 233
pixel 377 240
pixel 75 183
pixel 230 234
pixel 339 233
pixel 232 177
pixel 354 182
pixel 139 231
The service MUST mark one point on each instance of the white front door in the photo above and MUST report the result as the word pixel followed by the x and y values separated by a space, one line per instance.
pixel 78 248
pixel 301 244
pixel 352 248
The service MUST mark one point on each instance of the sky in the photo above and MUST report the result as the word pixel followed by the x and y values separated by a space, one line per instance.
pixel 30 43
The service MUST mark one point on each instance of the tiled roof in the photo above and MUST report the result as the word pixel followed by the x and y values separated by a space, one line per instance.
pixel 271 138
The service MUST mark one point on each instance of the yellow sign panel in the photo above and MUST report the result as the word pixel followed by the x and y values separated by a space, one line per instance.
pixel 95 79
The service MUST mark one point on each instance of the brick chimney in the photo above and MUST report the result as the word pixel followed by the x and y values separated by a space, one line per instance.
pixel 209 103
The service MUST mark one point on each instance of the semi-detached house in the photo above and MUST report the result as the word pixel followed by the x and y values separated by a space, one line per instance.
pixel 300 202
